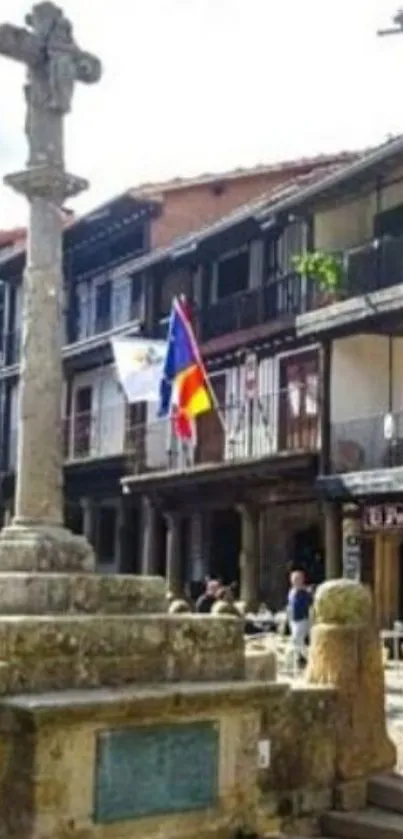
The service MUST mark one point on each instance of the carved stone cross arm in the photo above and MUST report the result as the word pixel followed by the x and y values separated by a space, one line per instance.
pixel 19 44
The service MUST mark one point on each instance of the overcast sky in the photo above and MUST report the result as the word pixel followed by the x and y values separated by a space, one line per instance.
pixel 192 86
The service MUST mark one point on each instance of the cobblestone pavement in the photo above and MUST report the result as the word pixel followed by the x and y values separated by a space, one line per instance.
pixel 394 710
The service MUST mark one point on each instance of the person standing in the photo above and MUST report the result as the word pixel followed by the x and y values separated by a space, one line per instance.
pixel 298 609
pixel 206 601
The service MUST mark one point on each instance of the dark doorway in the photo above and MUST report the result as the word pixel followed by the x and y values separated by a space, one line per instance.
pixel 225 545
pixel 130 543
pixel 161 539
pixel 73 517
pixel 308 554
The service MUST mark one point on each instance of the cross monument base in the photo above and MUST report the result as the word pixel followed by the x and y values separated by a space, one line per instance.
pixel 29 546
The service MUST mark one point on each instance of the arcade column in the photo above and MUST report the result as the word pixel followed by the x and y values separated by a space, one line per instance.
pixel 249 561
pixel 174 582
pixel 149 558
pixel 332 533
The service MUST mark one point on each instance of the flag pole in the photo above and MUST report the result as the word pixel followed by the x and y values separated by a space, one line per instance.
pixel 182 302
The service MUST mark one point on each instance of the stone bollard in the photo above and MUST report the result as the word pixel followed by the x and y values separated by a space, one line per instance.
pixel 222 607
pixel 179 607
pixel 345 652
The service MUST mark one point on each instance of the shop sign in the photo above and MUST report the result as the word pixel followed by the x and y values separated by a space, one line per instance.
pixel 383 517
pixel 352 557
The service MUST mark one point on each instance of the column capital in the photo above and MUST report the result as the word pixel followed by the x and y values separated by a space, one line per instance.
pixel 173 517
pixel 46 181
pixel 249 510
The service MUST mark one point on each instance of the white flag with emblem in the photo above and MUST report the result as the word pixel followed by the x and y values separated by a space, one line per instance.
pixel 139 365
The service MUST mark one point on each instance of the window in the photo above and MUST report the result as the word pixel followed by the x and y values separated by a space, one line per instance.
pixel 299 401
pixel 291 243
pixel 82 422
pixel 302 388
pixel 84 311
pixel 121 301
pixel 233 273
pixel 102 295
pixel 138 298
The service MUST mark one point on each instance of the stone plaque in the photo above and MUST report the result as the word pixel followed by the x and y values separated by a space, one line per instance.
pixel 151 770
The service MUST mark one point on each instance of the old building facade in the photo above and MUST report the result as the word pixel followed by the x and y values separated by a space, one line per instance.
pixel 252 500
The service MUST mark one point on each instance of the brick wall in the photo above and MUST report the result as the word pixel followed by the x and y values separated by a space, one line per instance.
pixel 191 206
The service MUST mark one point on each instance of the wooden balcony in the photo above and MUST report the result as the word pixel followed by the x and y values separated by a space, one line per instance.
pixel 373 285
pixel 237 433
pixel 283 297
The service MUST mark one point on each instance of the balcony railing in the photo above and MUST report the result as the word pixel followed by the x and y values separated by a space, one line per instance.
pixel 239 432
pixel 374 266
pixel 285 296
pixel 360 444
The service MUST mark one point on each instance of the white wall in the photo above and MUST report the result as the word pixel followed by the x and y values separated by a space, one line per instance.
pixel 360 400
pixel 107 411
pixel 360 377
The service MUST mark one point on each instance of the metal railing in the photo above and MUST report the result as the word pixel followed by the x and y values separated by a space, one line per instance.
pixel 374 266
pixel 360 444
pixel 238 431
pixel 288 295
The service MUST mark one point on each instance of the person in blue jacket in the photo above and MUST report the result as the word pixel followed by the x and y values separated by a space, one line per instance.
pixel 298 609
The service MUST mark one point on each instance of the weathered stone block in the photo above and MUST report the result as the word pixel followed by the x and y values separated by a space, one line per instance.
pixel 44 548
pixel 300 723
pixel 345 652
pixel 205 647
pixel 351 795
pixel 51 782
pixel 59 652
pixel 48 594
pixel 260 664
pixel 315 800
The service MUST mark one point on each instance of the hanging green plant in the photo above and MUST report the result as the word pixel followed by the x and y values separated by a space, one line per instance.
pixel 326 269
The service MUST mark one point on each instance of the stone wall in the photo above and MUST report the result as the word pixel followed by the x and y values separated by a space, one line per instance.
pixel 65 652
pixel 49 759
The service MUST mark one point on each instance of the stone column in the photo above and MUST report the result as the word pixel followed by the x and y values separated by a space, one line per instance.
pixel 89 512
pixel 345 652
pixel 36 540
pixel 249 556
pixel 149 556
pixel 174 582
pixel 332 539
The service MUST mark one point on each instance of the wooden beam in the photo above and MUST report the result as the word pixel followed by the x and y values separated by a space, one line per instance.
pixel 325 382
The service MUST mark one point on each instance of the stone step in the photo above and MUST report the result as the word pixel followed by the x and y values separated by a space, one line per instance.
pixel 386 791
pixel 372 823
pixel 48 593
pixel 54 652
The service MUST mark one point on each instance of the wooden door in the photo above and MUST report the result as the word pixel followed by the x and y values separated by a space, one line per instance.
pixel 386 578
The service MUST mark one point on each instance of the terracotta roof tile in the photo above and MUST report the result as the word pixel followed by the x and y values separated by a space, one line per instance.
pixel 301 163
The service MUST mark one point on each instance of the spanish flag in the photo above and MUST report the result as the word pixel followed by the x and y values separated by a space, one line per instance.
pixel 184 391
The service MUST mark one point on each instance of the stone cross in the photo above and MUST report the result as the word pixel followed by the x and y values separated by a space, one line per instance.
pixel 54 63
